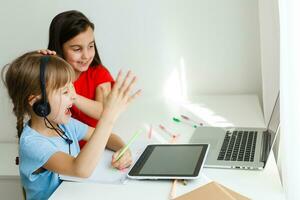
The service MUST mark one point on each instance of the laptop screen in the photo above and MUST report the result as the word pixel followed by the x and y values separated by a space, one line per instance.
pixel 273 126
pixel 274 120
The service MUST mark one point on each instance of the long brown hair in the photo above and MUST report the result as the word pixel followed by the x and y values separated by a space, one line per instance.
pixel 21 78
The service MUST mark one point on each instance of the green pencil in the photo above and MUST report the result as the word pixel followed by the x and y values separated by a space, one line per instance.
pixel 132 139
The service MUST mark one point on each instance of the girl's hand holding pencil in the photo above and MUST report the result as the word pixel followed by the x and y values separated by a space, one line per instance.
pixel 124 161
pixel 122 158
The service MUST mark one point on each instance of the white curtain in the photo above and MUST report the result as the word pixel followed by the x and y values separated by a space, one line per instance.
pixel 289 14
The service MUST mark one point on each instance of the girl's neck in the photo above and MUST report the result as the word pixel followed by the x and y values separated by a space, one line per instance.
pixel 38 124
pixel 77 74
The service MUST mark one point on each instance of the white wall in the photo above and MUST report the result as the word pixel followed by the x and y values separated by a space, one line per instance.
pixel 290 95
pixel 199 46
pixel 270 60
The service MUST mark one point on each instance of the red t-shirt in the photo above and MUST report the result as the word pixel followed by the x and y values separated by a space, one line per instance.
pixel 85 86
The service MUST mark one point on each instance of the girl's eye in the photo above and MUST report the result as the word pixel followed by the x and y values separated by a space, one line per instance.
pixel 76 50
pixel 91 46
pixel 66 92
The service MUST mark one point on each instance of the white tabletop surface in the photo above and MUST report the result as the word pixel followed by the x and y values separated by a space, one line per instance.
pixel 235 110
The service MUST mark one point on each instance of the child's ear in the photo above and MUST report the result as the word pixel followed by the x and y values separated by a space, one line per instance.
pixel 33 98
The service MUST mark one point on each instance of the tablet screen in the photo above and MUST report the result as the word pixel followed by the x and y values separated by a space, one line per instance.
pixel 179 160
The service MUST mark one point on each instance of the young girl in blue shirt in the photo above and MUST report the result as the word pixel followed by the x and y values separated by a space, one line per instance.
pixel 41 90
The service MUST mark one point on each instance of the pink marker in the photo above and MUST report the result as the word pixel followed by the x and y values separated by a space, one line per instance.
pixel 150 132
pixel 187 118
pixel 167 131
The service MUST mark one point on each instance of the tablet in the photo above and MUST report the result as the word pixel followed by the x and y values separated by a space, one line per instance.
pixel 170 161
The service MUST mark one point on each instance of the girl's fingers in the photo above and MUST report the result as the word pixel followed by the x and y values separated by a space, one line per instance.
pixel 115 164
pixel 124 162
pixel 120 164
pixel 121 85
pixel 125 165
pixel 120 93
pixel 46 52
pixel 42 52
pixel 49 52
pixel 115 155
pixel 132 97
pixel 125 82
pixel 117 83
pixel 129 87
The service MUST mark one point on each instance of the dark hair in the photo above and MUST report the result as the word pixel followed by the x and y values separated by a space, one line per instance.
pixel 66 26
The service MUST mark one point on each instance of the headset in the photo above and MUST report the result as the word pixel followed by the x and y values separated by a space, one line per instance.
pixel 42 107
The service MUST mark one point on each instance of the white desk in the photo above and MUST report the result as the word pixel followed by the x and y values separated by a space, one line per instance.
pixel 215 110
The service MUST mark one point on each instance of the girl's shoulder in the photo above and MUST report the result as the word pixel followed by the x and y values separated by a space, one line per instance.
pixel 98 69
pixel 29 134
pixel 30 139
pixel 99 74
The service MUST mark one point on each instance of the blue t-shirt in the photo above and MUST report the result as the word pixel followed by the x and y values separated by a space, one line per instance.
pixel 35 149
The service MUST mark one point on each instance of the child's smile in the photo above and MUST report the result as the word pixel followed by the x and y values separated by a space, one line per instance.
pixel 80 50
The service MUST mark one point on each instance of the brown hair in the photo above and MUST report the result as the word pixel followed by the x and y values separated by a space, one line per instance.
pixel 21 78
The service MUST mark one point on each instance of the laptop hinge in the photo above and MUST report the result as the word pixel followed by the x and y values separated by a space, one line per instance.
pixel 266 146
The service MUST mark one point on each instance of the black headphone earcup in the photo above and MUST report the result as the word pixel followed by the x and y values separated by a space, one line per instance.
pixel 42 109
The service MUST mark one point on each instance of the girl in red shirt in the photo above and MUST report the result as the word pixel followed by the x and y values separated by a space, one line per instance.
pixel 71 36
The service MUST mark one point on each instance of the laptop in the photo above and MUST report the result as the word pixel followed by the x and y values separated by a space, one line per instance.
pixel 239 147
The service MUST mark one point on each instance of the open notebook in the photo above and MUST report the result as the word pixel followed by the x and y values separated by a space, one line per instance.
pixel 104 172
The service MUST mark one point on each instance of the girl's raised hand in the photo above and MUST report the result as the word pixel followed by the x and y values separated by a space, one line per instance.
pixel 120 95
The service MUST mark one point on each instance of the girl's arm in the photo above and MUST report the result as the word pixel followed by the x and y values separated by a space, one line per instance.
pixel 115 143
pixel 86 161
pixel 94 108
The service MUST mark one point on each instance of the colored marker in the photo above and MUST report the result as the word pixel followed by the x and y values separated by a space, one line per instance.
pixel 150 132
pixel 178 120
pixel 133 138
pixel 173 189
pixel 188 119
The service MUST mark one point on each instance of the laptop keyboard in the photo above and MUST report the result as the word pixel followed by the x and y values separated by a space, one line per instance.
pixel 238 146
